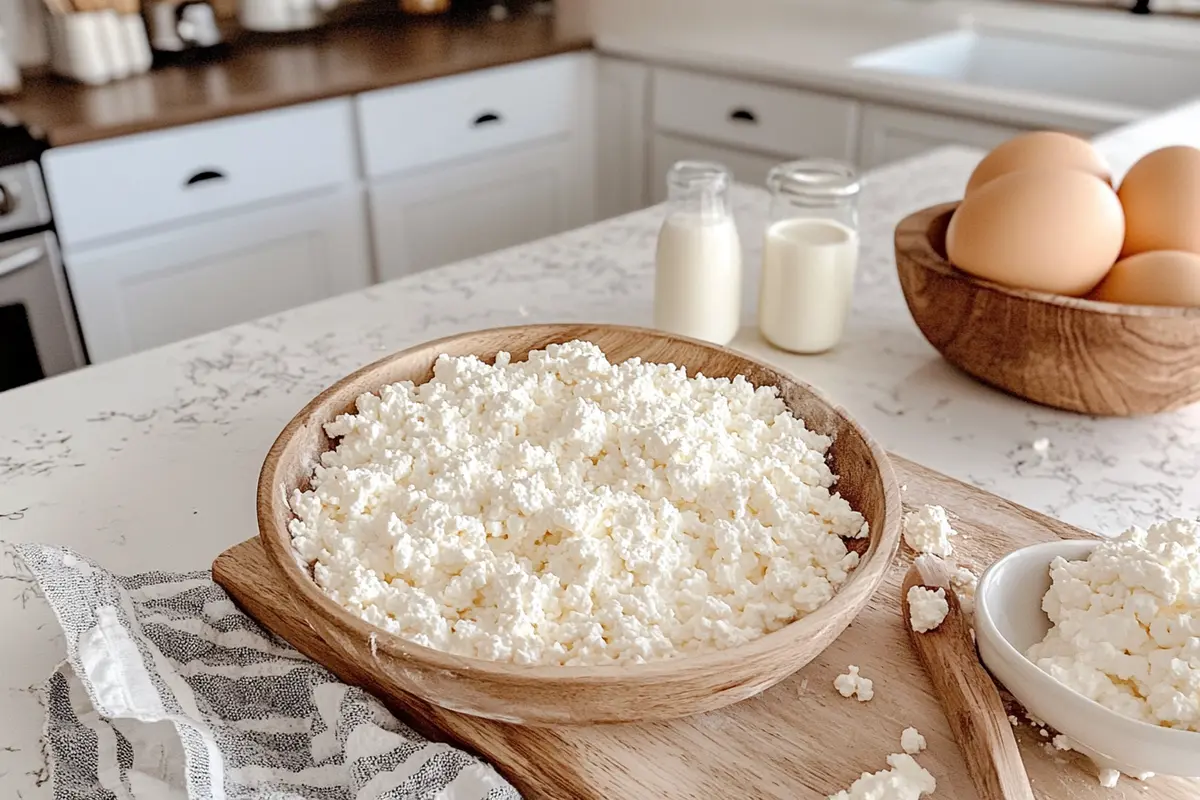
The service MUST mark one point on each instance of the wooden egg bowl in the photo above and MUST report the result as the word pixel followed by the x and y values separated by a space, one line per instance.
pixel 550 695
pixel 1097 358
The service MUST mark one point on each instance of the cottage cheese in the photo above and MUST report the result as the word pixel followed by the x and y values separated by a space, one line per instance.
pixel 1126 624
pixel 911 741
pixel 927 608
pixel 906 780
pixel 965 582
pixel 565 510
pixel 928 530
pixel 852 684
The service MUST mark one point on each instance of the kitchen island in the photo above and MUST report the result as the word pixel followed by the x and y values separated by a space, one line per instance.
pixel 150 462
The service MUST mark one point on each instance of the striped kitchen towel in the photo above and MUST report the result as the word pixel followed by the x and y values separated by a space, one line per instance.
pixel 170 691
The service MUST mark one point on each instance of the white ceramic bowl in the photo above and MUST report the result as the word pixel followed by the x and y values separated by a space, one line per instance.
pixel 1009 620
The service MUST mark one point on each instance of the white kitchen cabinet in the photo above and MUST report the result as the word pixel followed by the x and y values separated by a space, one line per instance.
pixel 622 95
pixel 160 287
pixel 455 212
pixel 891 134
pixel 751 168
pixel 515 160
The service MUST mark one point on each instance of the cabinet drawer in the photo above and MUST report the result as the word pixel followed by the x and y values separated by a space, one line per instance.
pixel 134 182
pixel 464 115
pixel 754 115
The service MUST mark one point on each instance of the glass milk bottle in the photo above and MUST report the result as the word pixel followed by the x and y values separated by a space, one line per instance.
pixel 810 255
pixel 698 264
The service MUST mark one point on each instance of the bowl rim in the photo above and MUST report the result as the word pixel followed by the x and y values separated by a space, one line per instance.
pixel 301 585
pixel 986 626
pixel 929 258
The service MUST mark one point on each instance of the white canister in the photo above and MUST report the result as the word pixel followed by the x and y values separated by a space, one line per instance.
pixel 137 43
pixel 698 262
pixel 112 37
pixel 84 53
pixel 810 255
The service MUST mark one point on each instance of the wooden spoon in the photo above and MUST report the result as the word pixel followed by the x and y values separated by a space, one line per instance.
pixel 969 698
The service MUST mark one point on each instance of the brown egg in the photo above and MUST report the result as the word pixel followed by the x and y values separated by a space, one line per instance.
pixel 1161 196
pixel 1039 150
pixel 1157 278
pixel 1054 230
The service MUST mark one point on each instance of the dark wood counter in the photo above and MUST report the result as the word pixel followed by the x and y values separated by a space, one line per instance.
pixel 262 72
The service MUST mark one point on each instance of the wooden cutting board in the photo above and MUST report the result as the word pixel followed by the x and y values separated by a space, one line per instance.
pixel 797 741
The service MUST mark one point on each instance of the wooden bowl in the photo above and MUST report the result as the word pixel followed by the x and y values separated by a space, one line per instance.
pixel 546 695
pixel 1106 359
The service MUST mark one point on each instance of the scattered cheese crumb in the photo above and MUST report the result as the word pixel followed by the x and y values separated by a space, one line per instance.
pixel 1012 720
pixel 906 780
pixel 964 582
pixel 912 742
pixel 928 530
pixel 1126 625
pixel 852 684
pixel 1109 778
pixel 1063 742
pixel 1041 446
pixel 927 608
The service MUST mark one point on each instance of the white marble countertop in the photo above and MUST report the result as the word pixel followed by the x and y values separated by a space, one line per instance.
pixel 150 462
pixel 814 44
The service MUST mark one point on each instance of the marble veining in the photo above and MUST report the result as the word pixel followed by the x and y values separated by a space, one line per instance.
pixel 150 462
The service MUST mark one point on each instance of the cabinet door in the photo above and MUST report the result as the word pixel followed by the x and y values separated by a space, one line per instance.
pixel 621 136
pixel 154 289
pixel 892 134
pixel 436 217
pixel 747 167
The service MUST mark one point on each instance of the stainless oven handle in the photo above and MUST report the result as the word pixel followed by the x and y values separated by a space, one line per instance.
pixel 20 260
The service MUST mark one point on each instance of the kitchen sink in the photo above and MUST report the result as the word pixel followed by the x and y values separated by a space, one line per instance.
pixel 1126 75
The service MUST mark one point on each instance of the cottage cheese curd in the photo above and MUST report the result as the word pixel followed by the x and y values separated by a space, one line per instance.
pixel 851 684
pixel 927 608
pixel 911 741
pixel 906 780
pixel 565 510
pixel 965 582
pixel 1126 624
pixel 928 530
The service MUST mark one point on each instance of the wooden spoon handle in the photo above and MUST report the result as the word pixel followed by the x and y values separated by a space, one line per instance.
pixel 971 703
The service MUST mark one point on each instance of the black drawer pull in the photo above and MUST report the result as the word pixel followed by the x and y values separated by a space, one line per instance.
pixel 743 115
pixel 204 176
pixel 487 118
